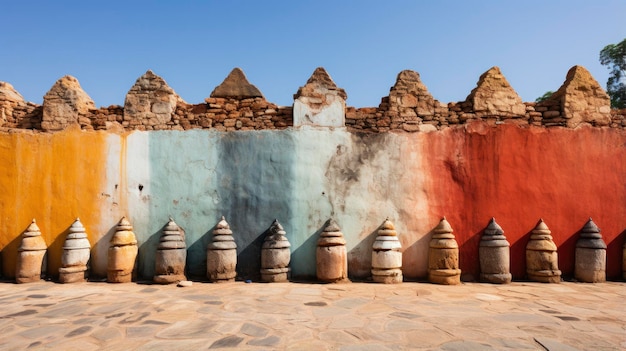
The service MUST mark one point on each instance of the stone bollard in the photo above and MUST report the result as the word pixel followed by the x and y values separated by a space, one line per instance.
pixel 275 255
pixel 122 253
pixel 590 261
pixel 171 255
pixel 221 255
pixel 443 256
pixel 542 263
pixel 387 255
pixel 494 255
pixel 331 255
pixel 76 253
pixel 30 255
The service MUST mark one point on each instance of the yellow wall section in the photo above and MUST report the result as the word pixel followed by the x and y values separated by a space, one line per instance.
pixel 53 178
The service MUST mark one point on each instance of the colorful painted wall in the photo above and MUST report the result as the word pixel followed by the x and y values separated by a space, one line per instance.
pixel 412 159
pixel 304 176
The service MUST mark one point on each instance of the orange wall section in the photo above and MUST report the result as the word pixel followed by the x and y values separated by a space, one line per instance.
pixel 520 175
pixel 53 178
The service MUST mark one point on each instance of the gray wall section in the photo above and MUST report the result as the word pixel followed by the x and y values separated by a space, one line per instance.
pixel 255 184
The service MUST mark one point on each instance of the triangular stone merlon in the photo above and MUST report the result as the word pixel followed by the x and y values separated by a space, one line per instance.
pixel 236 86
pixel 151 100
pixel 494 95
pixel 64 103
pixel 582 99
pixel 320 103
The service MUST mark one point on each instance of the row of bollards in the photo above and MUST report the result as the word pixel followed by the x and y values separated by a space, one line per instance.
pixel 331 255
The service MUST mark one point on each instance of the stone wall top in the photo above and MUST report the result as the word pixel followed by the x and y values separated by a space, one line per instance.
pixel 582 99
pixel 320 102
pixel 494 96
pixel 66 103
pixel 9 94
pixel 236 86
pixel 236 104
pixel 320 82
pixel 150 102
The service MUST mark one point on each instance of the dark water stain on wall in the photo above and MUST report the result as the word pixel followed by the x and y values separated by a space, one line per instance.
pixel 344 168
pixel 365 166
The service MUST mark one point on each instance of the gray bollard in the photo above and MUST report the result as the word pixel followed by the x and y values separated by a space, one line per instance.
pixel 221 261
pixel 171 255
pixel 275 255
pixel 494 255
pixel 590 261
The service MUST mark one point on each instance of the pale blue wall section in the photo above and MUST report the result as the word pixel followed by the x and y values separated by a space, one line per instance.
pixel 300 177
pixel 174 175
pixel 198 176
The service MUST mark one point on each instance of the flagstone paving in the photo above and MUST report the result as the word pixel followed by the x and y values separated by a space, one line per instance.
pixel 308 316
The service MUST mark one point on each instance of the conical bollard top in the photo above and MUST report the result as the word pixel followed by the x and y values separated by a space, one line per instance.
pixel 222 237
pixel 332 227
pixel 332 235
pixel 443 230
pixel 123 234
pixel 222 228
pixel 590 237
pixel 32 239
pixel 276 237
pixel 494 228
pixel 590 230
pixel 387 238
pixel 172 237
pixel 32 230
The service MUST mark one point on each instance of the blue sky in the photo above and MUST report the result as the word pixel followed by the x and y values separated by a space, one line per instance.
pixel 193 45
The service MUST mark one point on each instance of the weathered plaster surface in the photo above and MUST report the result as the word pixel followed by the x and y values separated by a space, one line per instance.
pixel 520 175
pixel 53 178
pixel 331 114
pixel 303 177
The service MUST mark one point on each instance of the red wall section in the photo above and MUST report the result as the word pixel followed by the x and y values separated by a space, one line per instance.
pixel 519 175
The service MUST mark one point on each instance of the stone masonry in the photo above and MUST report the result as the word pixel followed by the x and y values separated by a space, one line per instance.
pixel 150 103
pixel 582 99
pixel 65 104
pixel 320 102
pixel 236 104
pixel 15 112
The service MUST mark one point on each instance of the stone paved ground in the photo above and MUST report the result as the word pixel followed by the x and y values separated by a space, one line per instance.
pixel 301 316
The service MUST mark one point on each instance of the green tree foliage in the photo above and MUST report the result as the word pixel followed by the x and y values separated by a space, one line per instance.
pixel 545 96
pixel 614 56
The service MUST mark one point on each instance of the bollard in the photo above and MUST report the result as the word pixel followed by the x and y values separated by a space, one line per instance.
pixel 275 255
pixel 542 263
pixel 221 261
pixel 331 255
pixel 387 255
pixel 590 261
pixel 171 255
pixel 30 255
pixel 76 253
pixel 122 253
pixel 494 255
pixel 443 256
